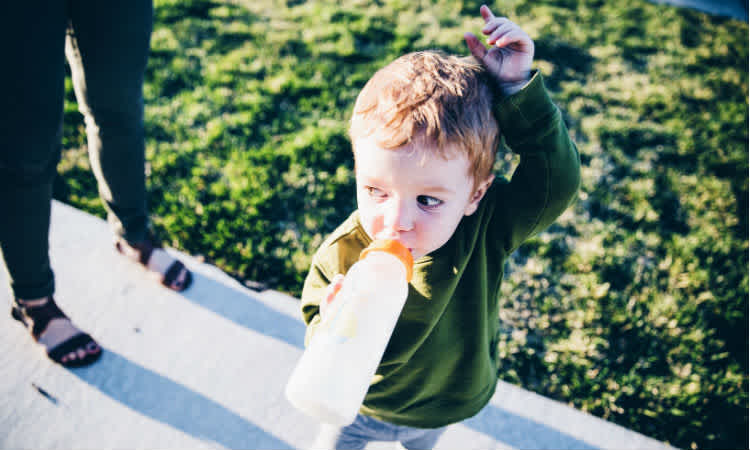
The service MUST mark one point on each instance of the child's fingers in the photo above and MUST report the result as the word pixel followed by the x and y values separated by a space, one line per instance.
pixel 333 288
pixel 487 15
pixel 516 39
pixel 475 46
pixel 505 28
pixel 337 282
pixel 493 24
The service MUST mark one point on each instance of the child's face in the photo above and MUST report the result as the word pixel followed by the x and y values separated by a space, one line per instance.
pixel 412 194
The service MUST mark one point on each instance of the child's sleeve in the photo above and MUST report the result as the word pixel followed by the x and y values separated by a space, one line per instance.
pixel 548 175
pixel 313 292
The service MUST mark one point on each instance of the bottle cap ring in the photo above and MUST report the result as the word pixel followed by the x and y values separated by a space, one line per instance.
pixel 395 248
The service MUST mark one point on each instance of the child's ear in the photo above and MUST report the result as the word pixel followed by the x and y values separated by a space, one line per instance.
pixel 478 194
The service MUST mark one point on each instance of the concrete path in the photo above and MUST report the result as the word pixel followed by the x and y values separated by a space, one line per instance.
pixel 736 9
pixel 206 368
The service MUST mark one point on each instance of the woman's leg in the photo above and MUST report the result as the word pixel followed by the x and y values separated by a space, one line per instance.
pixel 107 49
pixel 30 125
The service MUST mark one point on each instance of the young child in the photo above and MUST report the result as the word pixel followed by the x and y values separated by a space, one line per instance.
pixel 425 131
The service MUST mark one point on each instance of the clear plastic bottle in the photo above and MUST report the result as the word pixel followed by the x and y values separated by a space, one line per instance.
pixel 332 376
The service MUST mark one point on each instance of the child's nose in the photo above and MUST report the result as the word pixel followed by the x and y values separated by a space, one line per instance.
pixel 399 217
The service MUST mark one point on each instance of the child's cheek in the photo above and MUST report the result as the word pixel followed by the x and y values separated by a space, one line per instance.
pixel 376 224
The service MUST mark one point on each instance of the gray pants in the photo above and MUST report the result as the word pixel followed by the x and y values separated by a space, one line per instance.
pixel 366 429
pixel 106 44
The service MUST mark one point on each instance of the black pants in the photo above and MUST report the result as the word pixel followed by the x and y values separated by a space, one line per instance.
pixel 106 44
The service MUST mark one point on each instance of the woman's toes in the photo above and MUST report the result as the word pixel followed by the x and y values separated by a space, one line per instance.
pixel 80 353
pixel 92 348
pixel 181 279
pixel 70 357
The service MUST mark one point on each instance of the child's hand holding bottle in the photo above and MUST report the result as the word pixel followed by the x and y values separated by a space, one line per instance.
pixel 333 288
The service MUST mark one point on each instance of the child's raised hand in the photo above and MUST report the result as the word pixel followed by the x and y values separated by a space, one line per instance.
pixel 510 55
pixel 333 288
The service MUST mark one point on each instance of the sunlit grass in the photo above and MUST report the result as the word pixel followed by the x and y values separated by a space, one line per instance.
pixel 632 307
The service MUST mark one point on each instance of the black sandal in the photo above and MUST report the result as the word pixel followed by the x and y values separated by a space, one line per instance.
pixel 38 318
pixel 144 249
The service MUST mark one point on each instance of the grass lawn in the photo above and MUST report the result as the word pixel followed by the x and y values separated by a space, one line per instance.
pixel 633 306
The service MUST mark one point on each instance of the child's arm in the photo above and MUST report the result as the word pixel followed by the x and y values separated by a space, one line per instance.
pixel 548 176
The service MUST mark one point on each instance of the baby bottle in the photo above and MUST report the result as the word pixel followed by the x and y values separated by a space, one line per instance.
pixel 332 376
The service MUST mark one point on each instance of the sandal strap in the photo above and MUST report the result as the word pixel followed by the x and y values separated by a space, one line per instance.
pixel 172 273
pixel 144 248
pixel 37 317
pixel 79 341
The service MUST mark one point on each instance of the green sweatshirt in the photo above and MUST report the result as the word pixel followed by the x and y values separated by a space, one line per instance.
pixel 440 365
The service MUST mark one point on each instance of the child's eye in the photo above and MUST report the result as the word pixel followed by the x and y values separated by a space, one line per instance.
pixel 375 192
pixel 429 202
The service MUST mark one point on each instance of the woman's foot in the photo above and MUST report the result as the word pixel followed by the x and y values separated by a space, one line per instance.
pixel 64 342
pixel 171 272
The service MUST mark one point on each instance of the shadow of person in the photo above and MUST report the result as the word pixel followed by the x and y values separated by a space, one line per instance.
pixel 173 404
pixel 241 307
pixel 520 432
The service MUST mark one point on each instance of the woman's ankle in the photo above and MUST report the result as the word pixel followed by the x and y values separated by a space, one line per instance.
pixel 33 303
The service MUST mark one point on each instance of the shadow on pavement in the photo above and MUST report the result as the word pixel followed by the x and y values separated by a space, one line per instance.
pixel 244 310
pixel 171 403
pixel 520 432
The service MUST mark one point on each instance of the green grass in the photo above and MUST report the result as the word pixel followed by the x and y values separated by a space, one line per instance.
pixel 633 306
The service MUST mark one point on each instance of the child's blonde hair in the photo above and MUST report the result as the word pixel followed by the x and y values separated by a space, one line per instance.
pixel 443 99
